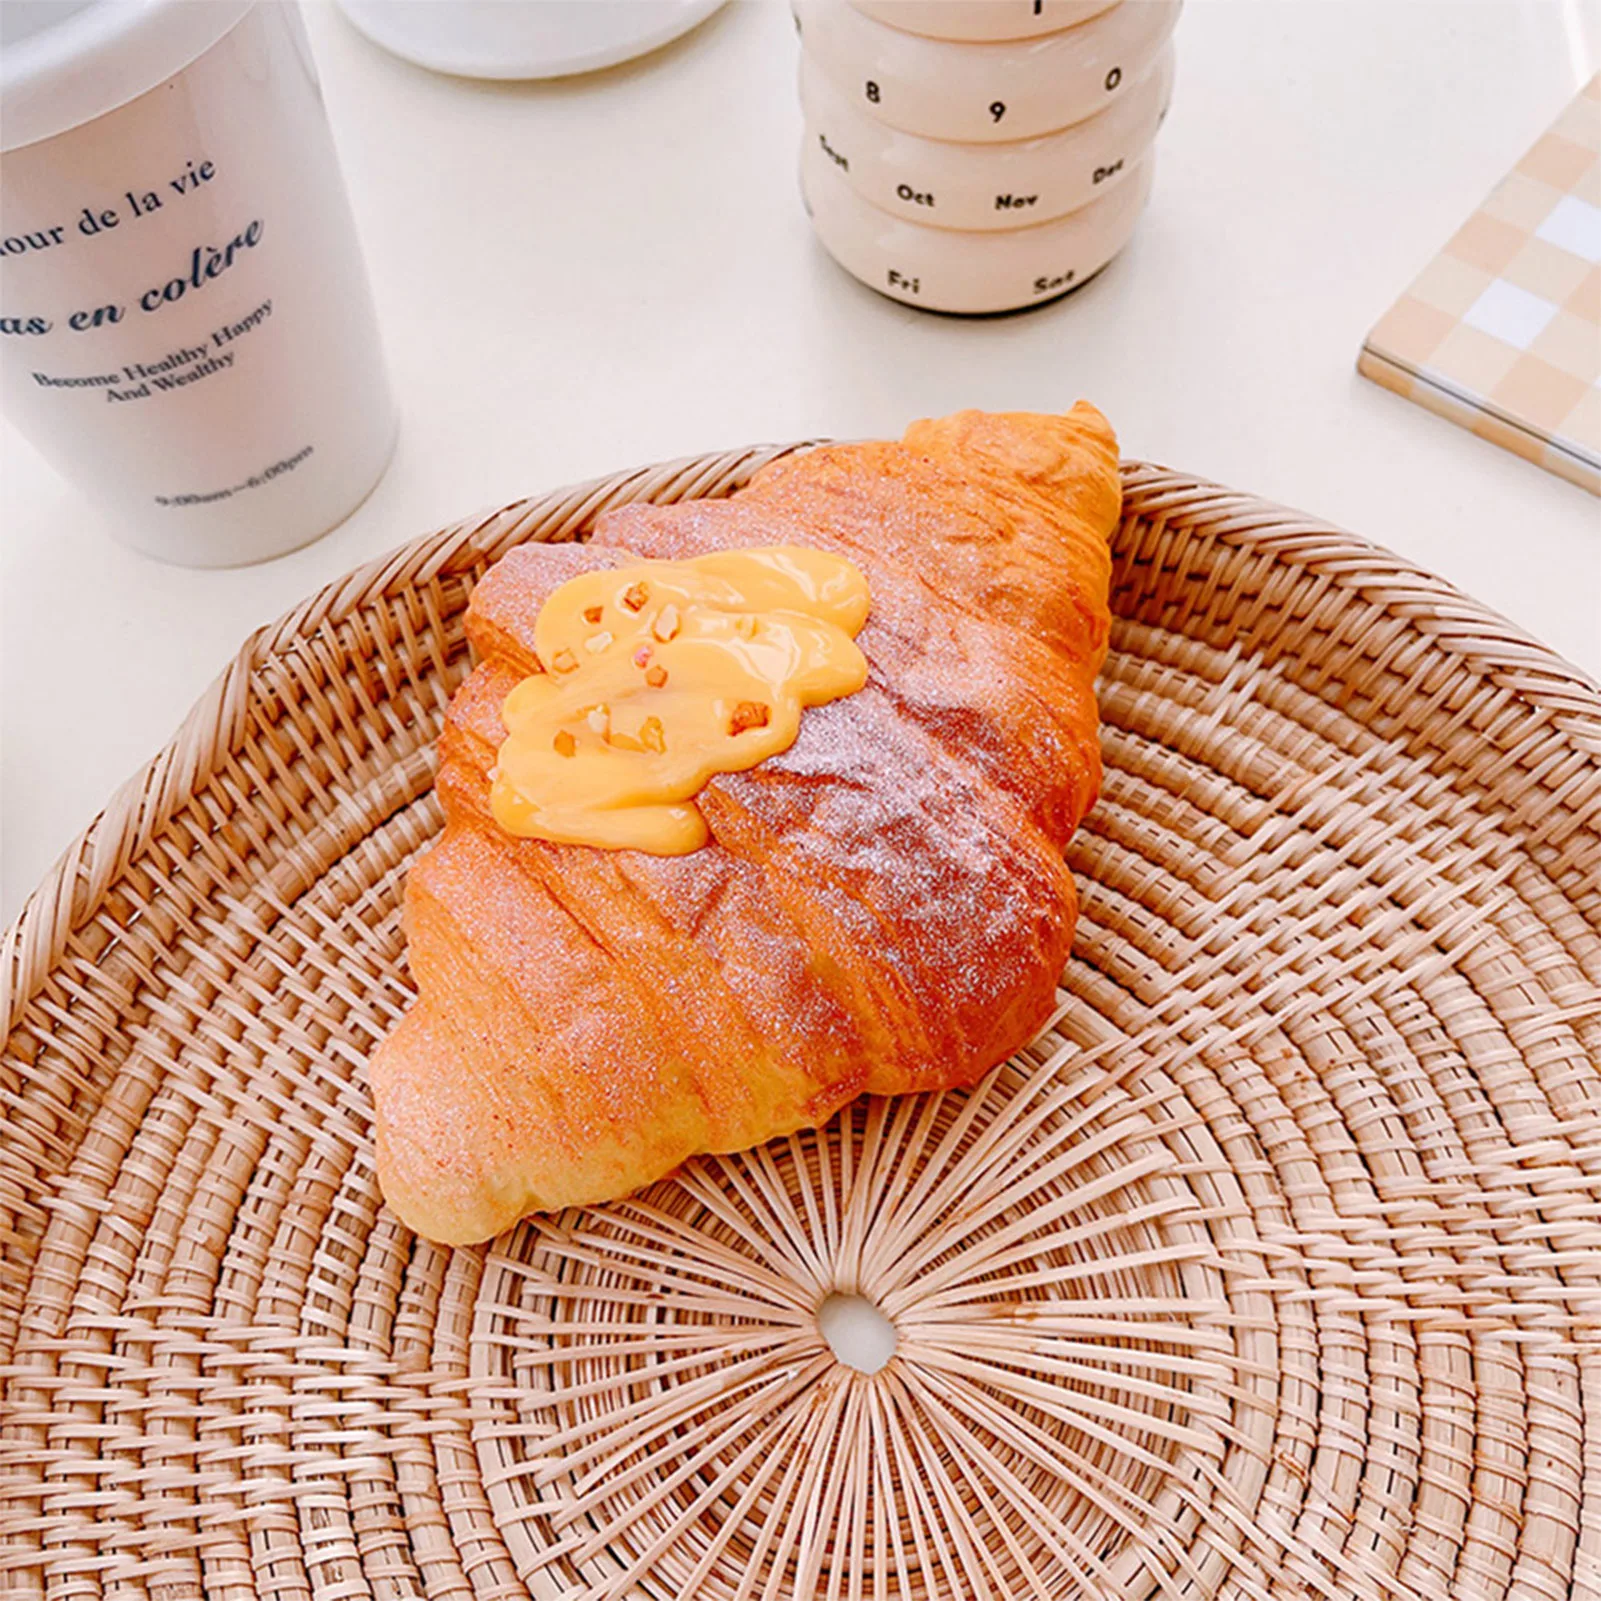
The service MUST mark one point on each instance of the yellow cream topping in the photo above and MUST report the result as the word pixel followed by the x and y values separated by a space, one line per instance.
pixel 655 677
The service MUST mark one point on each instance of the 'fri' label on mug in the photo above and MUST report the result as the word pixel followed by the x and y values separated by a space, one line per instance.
pixel 896 280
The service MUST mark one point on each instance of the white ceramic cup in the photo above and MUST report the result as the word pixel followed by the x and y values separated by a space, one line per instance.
pixel 186 331
pixel 982 19
pixel 944 89
pixel 948 185
pixel 950 269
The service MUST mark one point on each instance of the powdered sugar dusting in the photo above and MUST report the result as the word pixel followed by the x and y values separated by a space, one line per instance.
pixel 883 906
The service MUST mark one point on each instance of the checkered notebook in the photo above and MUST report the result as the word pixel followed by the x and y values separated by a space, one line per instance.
pixel 1501 332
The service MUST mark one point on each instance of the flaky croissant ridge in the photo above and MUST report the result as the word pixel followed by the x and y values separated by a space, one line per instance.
pixel 882 908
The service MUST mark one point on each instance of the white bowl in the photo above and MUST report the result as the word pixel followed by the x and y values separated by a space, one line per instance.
pixel 523 39
pixel 942 89
pixel 947 185
pixel 951 269
pixel 982 19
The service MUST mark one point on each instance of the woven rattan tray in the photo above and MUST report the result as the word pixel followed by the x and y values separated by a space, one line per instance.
pixel 1273 1269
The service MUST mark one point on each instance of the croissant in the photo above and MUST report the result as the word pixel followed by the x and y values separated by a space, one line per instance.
pixel 881 908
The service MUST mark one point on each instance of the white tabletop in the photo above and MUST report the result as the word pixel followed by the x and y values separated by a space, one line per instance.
pixel 580 276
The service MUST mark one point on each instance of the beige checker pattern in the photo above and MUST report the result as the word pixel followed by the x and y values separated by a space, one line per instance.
pixel 1501 332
